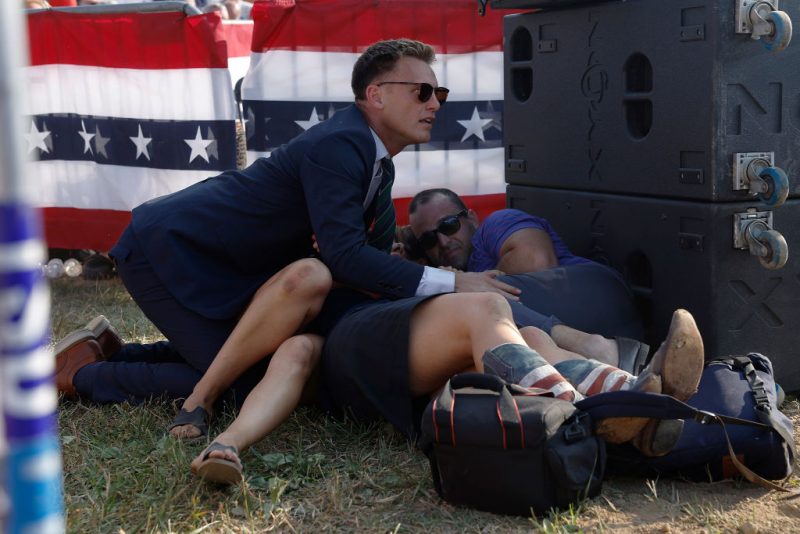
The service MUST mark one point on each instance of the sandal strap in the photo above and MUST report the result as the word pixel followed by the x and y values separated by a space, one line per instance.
pixel 219 447
pixel 197 418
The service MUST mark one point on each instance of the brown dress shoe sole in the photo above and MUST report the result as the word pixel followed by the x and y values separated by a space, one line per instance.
pixel 680 358
pixel 105 334
pixel 72 339
pixel 98 329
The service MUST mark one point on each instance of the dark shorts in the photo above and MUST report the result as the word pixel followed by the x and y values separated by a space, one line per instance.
pixel 589 297
pixel 339 302
pixel 365 366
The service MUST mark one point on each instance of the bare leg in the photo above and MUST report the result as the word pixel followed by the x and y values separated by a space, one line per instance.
pixel 592 346
pixel 273 399
pixel 539 341
pixel 450 333
pixel 279 308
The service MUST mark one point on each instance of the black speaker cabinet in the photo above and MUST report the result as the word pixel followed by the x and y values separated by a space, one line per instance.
pixel 540 4
pixel 656 98
pixel 681 254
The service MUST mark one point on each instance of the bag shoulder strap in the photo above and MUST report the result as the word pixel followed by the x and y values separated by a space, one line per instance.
pixel 764 410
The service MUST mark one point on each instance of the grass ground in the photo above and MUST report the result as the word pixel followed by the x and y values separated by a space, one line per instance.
pixel 314 474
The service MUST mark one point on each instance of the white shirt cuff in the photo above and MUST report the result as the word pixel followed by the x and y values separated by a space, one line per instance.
pixel 435 281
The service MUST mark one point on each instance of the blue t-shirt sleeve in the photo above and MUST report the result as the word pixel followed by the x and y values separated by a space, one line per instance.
pixel 497 227
pixel 493 232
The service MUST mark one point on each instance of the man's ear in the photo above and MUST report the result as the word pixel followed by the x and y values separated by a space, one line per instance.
pixel 473 217
pixel 374 96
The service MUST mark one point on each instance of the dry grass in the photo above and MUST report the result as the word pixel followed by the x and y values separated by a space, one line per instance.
pixel 123 474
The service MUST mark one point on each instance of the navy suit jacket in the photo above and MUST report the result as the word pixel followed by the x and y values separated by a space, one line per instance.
pixel 216 242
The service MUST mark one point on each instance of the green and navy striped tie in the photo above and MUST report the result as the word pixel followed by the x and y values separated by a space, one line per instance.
pixel 381 236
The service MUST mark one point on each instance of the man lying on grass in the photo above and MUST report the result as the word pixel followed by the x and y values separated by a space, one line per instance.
pixel 385 359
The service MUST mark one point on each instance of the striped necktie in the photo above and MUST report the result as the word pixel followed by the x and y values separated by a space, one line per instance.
pixel 381 236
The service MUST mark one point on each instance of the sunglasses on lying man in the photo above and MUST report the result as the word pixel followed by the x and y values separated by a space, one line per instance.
pixel 447 226
pixel 425 90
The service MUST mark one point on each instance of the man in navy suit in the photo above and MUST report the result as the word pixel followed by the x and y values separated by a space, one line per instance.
pixel 194 260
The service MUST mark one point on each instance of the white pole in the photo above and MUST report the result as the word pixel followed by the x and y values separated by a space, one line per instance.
pixel 31 460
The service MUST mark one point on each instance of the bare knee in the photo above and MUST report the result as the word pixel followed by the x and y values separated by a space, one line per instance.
pixel 308 277
pixel 534 337
pixel 487 306
pixel 296 356
pixel 463 314
pixel 310 274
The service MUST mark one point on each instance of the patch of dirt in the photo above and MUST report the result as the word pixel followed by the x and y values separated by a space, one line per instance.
pixel 631 504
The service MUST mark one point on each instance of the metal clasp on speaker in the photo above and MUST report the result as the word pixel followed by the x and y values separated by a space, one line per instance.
pixel 757 173
pixel 753 231
pixel 762 20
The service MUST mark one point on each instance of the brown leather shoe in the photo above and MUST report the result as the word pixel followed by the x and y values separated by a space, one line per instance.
pixel 98 329
pixel 71 360
pixel 105 334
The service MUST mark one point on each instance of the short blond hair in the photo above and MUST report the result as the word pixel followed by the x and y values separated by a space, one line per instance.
pixel 381 57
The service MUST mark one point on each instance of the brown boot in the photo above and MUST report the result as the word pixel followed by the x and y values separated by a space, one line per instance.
pixel 675 370
pixel 679 361
pixel 71 360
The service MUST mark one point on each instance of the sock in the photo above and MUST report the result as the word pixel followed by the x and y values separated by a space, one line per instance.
pixel 522 365
pixel 591 377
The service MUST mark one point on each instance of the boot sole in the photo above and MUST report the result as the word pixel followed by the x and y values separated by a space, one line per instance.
pixel 684 358
pixel 92 330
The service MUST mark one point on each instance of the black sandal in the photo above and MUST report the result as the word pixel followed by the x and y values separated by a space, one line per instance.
pixel 198 418
pixel 219 470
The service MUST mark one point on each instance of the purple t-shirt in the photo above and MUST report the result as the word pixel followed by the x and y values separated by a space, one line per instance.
pixel 497 227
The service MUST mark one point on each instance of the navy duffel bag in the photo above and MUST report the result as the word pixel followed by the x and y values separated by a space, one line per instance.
pixel 741 387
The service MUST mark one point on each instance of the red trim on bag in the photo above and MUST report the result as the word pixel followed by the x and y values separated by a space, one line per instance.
pixel 452 422
pixel 433 418
pixel 502 426
pixel 521 426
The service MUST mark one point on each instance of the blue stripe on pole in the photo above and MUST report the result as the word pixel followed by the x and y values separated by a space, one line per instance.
pixel 29 398
pixel 35 486
pixel 18 224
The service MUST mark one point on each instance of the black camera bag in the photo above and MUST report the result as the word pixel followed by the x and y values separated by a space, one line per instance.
pixel 501 448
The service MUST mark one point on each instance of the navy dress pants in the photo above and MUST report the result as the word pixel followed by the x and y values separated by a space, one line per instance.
pixel 589 297
pixel 138 372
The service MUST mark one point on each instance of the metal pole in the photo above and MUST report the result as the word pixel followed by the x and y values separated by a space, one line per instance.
pixel 144 7
pixel 31 463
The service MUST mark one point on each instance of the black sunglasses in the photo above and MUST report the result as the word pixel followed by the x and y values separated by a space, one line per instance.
pixel 425 90
pixel 447 226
